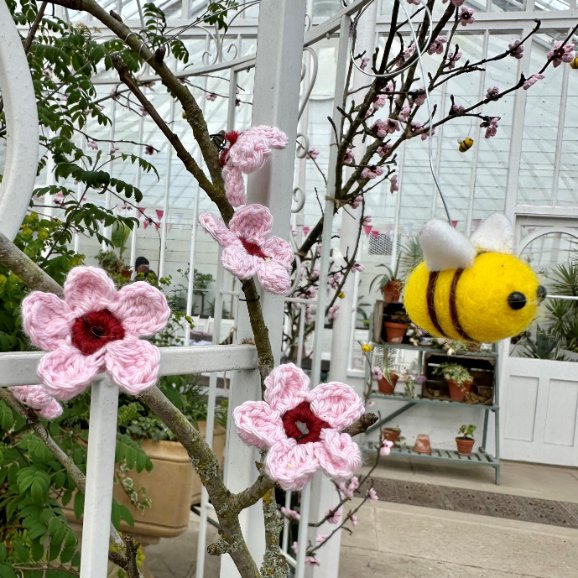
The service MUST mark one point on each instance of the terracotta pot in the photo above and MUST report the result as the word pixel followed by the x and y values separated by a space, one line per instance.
pixel 126 273
pixel 392 291
pixel 386 386
pixel 394 332
pixel 422 444
pixel 391 433
pixel 465 446
pixel 457 392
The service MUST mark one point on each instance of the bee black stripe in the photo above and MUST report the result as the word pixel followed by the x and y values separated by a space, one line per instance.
pixel 431 306
pixel 453 307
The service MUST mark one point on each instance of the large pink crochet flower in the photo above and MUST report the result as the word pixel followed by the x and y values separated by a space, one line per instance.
pixel 301 427
pixel 247 153
pixel 249 250
pixel 95 328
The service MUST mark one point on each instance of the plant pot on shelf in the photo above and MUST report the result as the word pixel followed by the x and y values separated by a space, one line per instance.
pixel 465 445
pixel 394 332
pixel 385 385
pixel 422 444
pixel 391 434
pixel 392 291
pixel 459 392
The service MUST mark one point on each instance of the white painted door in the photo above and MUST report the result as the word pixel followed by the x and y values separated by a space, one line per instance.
pixel 540 411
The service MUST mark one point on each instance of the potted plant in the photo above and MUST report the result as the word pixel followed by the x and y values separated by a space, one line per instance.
pixel 465 440
pixel 391 433
pixel 389 283
pixel 459 379
pixel 396 325
pixel 385 377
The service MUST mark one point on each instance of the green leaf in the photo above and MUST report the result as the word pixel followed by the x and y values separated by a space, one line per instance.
pixel 78 504
pixel 6 416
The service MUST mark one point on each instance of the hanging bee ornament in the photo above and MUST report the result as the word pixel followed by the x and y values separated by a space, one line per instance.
pixel 574 63
pixel 472 290
pixel 465 144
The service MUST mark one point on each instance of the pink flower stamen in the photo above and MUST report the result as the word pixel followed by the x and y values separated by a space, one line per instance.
pixel 92 331
pixel 302 424
pixel 253 248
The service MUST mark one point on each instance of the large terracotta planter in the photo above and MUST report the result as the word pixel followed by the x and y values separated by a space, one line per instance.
pixel 386 386
pixel 394 332
pixel 465 446
pixel 457 392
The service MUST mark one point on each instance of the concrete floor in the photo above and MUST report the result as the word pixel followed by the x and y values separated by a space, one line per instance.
pixel 401 541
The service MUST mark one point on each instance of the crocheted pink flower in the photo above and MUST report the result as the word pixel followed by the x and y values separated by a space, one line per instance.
pixel 247 153
pixel 301 427
pixel 248 248
pixel 38 399
pixel 95 328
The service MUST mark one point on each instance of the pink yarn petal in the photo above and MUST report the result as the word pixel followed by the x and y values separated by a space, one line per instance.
pixel 339 455
pixel 46 320
pixel 258 424
pixel 65 372
pixel 274 277
pixel 253 147
pixel 37 398
pixel 286 387
pixel 217 229
pixel 336 403
pixel 133 364
pixel 252 223
pixel 236 260
pixel 51 411
pixel 292 465
pixel 88 289
pixel 142 309
pixel 234 186
pixel 280 250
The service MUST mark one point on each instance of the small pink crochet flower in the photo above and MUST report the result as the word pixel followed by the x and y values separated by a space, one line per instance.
pixel 247 153
pixel 248 250
pixel 95 327
pixel 38 399
pixel 301 427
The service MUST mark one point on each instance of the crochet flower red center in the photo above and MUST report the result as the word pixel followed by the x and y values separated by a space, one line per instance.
pixel 94 330
pixel 302 424
pixel 253 248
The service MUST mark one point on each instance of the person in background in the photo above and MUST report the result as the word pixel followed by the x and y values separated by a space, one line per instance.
pixel 142 272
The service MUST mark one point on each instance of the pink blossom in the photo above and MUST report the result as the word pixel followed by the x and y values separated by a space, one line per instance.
pixel 143 111
pixel 426 134
pixel 404 112
pixel 37 398
pixel 516 50
pixel 376 373
pixel 371 172
pixel 332 312
pixel 113 150
pixel 393 185
pixel 382 128
pixel 296 453
pixel 437 45
pixel 356 201
pixel 491 126
pixel 312 154
pixel 453 58
pixel 353 517
pixel 457 3
pixel 357 267
pixel 418 97
pixel 93 329
pixel 314 274
pixel 372 495
pixel 247 153
pixel 334 516
pixel 466 16
pixel 384 150
pixel 211 96
pixel 370 403
pixel 58 198
pixel 348 158
pixel 364 63
pixel 385 448
pixel 532 80
pixel 295 546
pixel 561 53
pixel 408 52
pixel 91 144
pixel 312 561
pixel 492 92
pixel 379 101
pixel 334 279
pixel 290 514
pixel 249 250
pixel 366 220
pixel 320 538
pixel 389 87
pixel 456 109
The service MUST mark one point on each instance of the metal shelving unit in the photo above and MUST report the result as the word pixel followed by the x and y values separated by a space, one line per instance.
pixel 479 458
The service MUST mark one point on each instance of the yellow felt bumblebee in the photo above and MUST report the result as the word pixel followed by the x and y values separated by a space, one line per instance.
pixel 465 144
pixel 472 290
pixel 574 63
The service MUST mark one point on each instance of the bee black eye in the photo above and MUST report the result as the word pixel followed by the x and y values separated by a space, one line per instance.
pixel 516 300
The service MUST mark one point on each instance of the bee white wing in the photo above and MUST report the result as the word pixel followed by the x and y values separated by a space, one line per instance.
pixel 495 235
pixel 444 247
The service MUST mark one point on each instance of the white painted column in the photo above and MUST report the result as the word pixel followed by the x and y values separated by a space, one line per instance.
pixel 275 103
